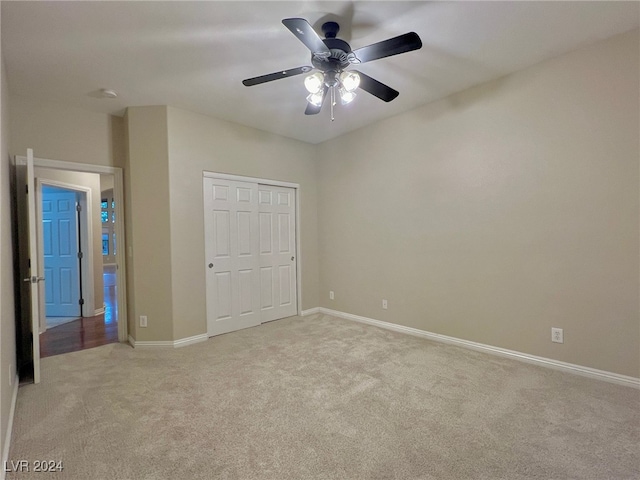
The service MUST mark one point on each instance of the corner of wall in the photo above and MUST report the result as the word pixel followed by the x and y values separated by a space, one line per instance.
pixel 148 223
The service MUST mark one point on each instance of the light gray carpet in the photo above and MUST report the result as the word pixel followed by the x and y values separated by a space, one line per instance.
pixel 321 398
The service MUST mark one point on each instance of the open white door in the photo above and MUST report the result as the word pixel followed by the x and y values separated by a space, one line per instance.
pixel 33 279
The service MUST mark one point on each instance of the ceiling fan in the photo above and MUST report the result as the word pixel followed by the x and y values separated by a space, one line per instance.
pixel 331 57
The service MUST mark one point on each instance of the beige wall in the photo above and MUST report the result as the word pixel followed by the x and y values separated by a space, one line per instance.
pixel 7 311
pixel 131 298
pixel 106 182
pixel 91 181
pixel 148 224
pixel 198 143
pixel 118 136
pixel 497 213
pixel 60 132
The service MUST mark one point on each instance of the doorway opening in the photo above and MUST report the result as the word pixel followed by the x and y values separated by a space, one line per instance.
pixel 109 241
pixel 94 320
pixel 31 276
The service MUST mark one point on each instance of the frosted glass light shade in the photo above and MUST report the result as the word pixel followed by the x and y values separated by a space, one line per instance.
pixel 314 82
pixel 350 80
pixel 346 97
pixel 315 98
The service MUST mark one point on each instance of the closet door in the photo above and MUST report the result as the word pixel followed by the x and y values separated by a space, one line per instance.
pixel 231 249
pixel 278 285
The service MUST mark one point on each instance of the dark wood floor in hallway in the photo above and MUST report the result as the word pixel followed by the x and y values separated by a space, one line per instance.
pixel 77 335
pixel 87 332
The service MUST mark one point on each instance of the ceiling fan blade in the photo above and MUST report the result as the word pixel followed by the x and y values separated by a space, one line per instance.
pixel 307 35
pixel 376 88
pixel 393 46
pixel 313 109
pixel 275 76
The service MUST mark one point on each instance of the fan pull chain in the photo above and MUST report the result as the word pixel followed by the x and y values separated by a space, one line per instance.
pixel 333 101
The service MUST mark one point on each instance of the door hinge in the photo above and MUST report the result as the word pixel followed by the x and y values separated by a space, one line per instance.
pixel 81 301
pixel 26 188
pixel 80 255
pixel 78 207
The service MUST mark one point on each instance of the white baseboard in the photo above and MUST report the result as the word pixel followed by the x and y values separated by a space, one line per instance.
pixel 183 342
pixel 99 311
pixel 503 352
pixel 311 311
pixel 7 437
pixel 144 343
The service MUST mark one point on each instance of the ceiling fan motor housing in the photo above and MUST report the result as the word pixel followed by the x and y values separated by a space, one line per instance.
pixel 338 60
pixel 340 50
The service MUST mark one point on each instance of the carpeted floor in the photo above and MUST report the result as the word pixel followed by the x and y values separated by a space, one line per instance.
pixel 321 398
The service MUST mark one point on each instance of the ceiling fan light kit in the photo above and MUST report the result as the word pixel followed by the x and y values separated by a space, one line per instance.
pixel 314 82
pixel 350 80
pixel 331 57
pixel 346 83
pixel 316 99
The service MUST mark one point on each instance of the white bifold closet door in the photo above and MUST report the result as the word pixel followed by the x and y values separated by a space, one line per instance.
pixel 250 254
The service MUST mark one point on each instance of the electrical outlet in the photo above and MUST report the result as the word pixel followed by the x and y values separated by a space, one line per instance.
pixel 384 304
pixel 557 335
pixel 331 295
pixel 143 320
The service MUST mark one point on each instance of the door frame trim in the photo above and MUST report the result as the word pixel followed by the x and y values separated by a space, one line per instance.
pixel 86 244
pixel 118 194
pixel 274 183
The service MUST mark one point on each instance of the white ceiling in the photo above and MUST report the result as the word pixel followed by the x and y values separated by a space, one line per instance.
pixel 194 55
